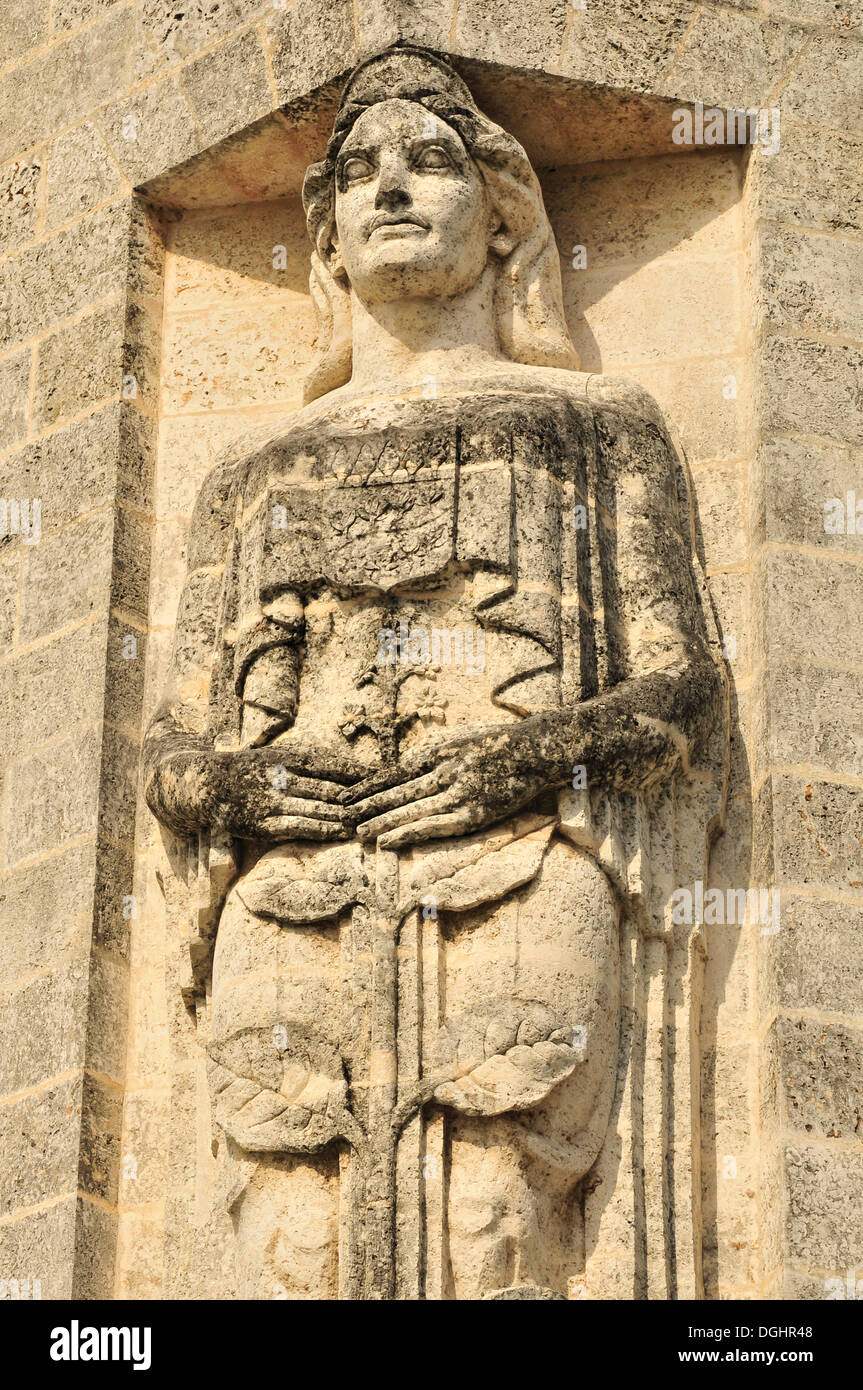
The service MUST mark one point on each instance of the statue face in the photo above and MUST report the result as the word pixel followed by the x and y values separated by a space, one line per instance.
pixel 412 213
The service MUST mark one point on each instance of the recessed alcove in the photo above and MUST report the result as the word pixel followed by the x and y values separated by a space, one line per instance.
pixel 661 295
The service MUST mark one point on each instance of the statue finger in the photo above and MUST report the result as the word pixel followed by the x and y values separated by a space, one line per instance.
pixel 316 789
pixel 299 828
pixel 393 797
pixel 403 815
pixel 319 810
pixel 439 827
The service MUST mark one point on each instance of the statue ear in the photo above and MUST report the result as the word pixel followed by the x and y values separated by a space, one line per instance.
pixel 332 255
pixel 501 240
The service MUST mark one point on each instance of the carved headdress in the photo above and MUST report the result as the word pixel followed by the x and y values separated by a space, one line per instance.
pixel 528 301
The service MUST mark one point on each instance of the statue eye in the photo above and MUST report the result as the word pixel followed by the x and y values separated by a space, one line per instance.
pixel 433 157
pixel 355 167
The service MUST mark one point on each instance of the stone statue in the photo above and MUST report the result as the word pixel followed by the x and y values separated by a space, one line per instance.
pixel 443 661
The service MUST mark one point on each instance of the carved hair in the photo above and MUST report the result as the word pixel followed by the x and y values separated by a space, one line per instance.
pixel 528 298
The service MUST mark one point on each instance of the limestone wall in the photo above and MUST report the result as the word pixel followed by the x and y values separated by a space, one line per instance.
pixel 140 332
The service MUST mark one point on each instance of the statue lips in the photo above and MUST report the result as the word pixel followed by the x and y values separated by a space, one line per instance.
pixel 396 224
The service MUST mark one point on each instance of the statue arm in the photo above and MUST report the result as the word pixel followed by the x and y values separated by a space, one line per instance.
pixel 666 691
pixel 189 783
pixel 177 744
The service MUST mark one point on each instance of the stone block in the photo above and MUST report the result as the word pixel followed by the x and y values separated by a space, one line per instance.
pixel 821 954
pixel 824 1220
pixel 14 399
pixel 66 576
pixel 532 38
pixel 812 388
pixel 150 131
pixel 95 1248
pixel 79 366
pixel 238 357
pixel 822 1077
pixel 41 1246
pixel 817 834
pixel 24 25
pixel 81 175
pixel 54 796
pixel 809 282
pixel 310 45
pixel 173 32
pixel 207 79
pixel 625 45
pixel 731 60
pixel 143 1160
pixel 826 86
pixel 816 717
pixel 19 201
pixel 801 495
pixel 71 470
pixel 66 81
pixel 44 1028
pixel 46 910
pixel 830 590
pixel 815 179
pixel 60 684
pixel 721 520
pixel 53 280
pixel 39 1141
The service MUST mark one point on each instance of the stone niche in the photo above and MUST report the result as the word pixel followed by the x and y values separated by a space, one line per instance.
pixel 653 246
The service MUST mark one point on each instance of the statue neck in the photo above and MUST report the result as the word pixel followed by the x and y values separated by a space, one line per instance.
pixel 413 339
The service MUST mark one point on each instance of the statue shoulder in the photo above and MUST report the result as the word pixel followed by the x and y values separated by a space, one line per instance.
pixel 626 395
pixel 610 391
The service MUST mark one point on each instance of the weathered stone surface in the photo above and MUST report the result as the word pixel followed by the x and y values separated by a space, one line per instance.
pixel 627 44
pixel 731 61
pixel 827 85
pixel 150 131
pixel 58 277
pixel 23 27
pixel 79 366
pixel 824 1222
pixel 14 398
pixel 207 79
pixel 19 191
pixel 813 388
pixel 822 1077
pixel 55 795
pixel 821 955
pixel 81 554
pixel 829 852
pixel 81 174
pixel 309 45
pixel 815 179
pixel 48 908
pixel 66 81
pixel 815 717
pixel 805 493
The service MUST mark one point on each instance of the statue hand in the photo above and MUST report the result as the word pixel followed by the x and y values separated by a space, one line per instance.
pixel 464 784
pixel 250 793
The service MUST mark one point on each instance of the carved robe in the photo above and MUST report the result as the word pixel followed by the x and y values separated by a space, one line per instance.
pixel 553 524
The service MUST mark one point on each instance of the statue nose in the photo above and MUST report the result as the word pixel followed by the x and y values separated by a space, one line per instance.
pixel 392 185
pixel 393 195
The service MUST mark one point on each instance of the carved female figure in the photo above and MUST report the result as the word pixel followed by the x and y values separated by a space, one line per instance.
pixel 456 590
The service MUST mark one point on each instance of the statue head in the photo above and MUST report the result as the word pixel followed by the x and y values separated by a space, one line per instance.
pixel 419 193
